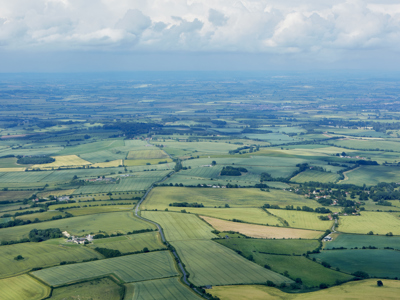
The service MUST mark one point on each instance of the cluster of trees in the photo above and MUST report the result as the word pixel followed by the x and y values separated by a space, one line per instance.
pixel 232 171
pixel 35 160
pixel 321 210
pixel 186 204
pixel 39 235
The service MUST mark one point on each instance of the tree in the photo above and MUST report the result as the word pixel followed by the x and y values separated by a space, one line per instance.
pixel 19 257
pixel 370 233
pixel 379 283
pixel 213 163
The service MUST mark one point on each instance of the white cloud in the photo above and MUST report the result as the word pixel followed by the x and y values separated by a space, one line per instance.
pixel 264 26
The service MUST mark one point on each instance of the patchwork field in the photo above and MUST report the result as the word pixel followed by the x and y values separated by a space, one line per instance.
pixel 179 226
pixel 357 240
pixel 39 255
pixel 377 263
pixel 22 287
pixel 377 222
pixel 357 290
pixel 302 219
pixel 160 289
pixel 130 268
pixel 259 231
pixel 210 263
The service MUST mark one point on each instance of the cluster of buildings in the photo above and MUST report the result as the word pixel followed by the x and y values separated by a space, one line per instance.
pixel 78 240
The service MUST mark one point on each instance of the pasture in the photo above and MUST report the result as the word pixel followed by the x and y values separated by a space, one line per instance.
pixel 99 289
pixel 99 157
pixel 63 161
pixel 14 195
pixel 355 290
pixel 40 255
pixel 377 222
pixel 264 232
pixel 147 154
pixel 44 216
pixel 131 243
pixel 130 268
pixel 366 144
pixel 210 263
pixel 23 287
pixel 92 147
pixel 377 263
pixel 109 164
pixel 76 212
pixel 357 240
pixel 317 176
pixel 302 219
pixel 83 225
pixel 153 162
pixel 372 175
pixel 160 289
pixel 180 226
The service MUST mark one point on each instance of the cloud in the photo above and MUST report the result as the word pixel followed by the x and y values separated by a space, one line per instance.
pixel 263 26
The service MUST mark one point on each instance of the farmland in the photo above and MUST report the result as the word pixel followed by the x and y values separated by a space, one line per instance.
pixel 302 219
pixel 377 222
pixel 358 240
pixel 147 154
pixel 22 287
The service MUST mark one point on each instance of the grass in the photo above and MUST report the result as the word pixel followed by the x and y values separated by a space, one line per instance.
pixel 297 247
pixel 317 176
pixel 9 162
pixel 14 195
pixel 259 231
pixel 302 219
pixel 130 268
pixel 147 154
pixel 22 287
pixel 372 175
pixel 160 289
pixel 39 255
pixel 113 163
pixel 249 215
pixel 377 263
pixel 99 157
pixel 131 243
pixel 76 212
pixel 55 193
pixel 63 161
pixel 92 147
pixel 368 144
pixel 210 263
pixel 108 222
pixel 99 289
pixel 160 197
pixel 359 241
pixel 377 222
pixel 44 216
pixel 179 226
pixel 355 290
pixel 142 162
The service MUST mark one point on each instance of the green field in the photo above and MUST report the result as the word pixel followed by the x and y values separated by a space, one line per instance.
pixel 108 222
pixel 357 240
pixel 377 263
pixel 302 219
pixel 14 195
pixel 131 243
pixel 92 147
pixel 160 289
pixel 368 144
pixel 22 287
pixel 97 209
pixel 179 226
pixel 317 176
pixel 355 290
pixel 40 255
pixel 377 222
pixel 99 289
pixel 297 247
pixel 130 268
pixel 210 263
pixel 372 175
pixel 44 216
pixel 147 154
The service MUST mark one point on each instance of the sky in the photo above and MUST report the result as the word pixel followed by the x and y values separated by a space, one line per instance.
pixel 122 35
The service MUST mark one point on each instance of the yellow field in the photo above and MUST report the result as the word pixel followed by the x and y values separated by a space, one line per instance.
pixel 12 169
pixel 22 287
pixel 302 219
pixel 114 163
pixel 141 162
pixel 147 154
pixel 377 222
pixel 63 161
pixel 259 231
pixel 355 290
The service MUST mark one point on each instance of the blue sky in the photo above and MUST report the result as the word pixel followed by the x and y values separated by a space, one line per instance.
pixel 110 35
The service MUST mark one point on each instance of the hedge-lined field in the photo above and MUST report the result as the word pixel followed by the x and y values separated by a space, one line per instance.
pixel 357 240
pixel 22 287
pixel 377 222
pixel 302 219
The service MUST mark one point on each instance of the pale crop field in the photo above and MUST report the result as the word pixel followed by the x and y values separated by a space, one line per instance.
pixel 12 169
pixel 357 290
pixel 130 268
pixel 160 289
pixel 113 163
pixel 317 176
pixel 377 222
pixel 210 263
pixel 147 154
pixel 63 161
pixel 152 162
pixel 259 231
pixel 102 156
pixel 39 255
pixel 302 219
pixel 22 287
pixel 180 226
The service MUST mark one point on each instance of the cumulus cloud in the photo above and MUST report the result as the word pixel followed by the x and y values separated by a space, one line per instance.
pixel 259 26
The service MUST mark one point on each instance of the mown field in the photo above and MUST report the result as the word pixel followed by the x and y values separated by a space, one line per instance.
pixel 357 290
pixel 63 161
pixel 22 287
pixel 259 231
pixel 210 263
pixel 99 289
pixel 377 222
pixel 160 289
pixel 131 243
pixel 302 219
pixel 130 268
pixel 357 240
pixel 316 176
pixel 179 226
pixel 108 222
pixel 377 263
pixel 147 154
pixel 40 255
pixel 372 175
